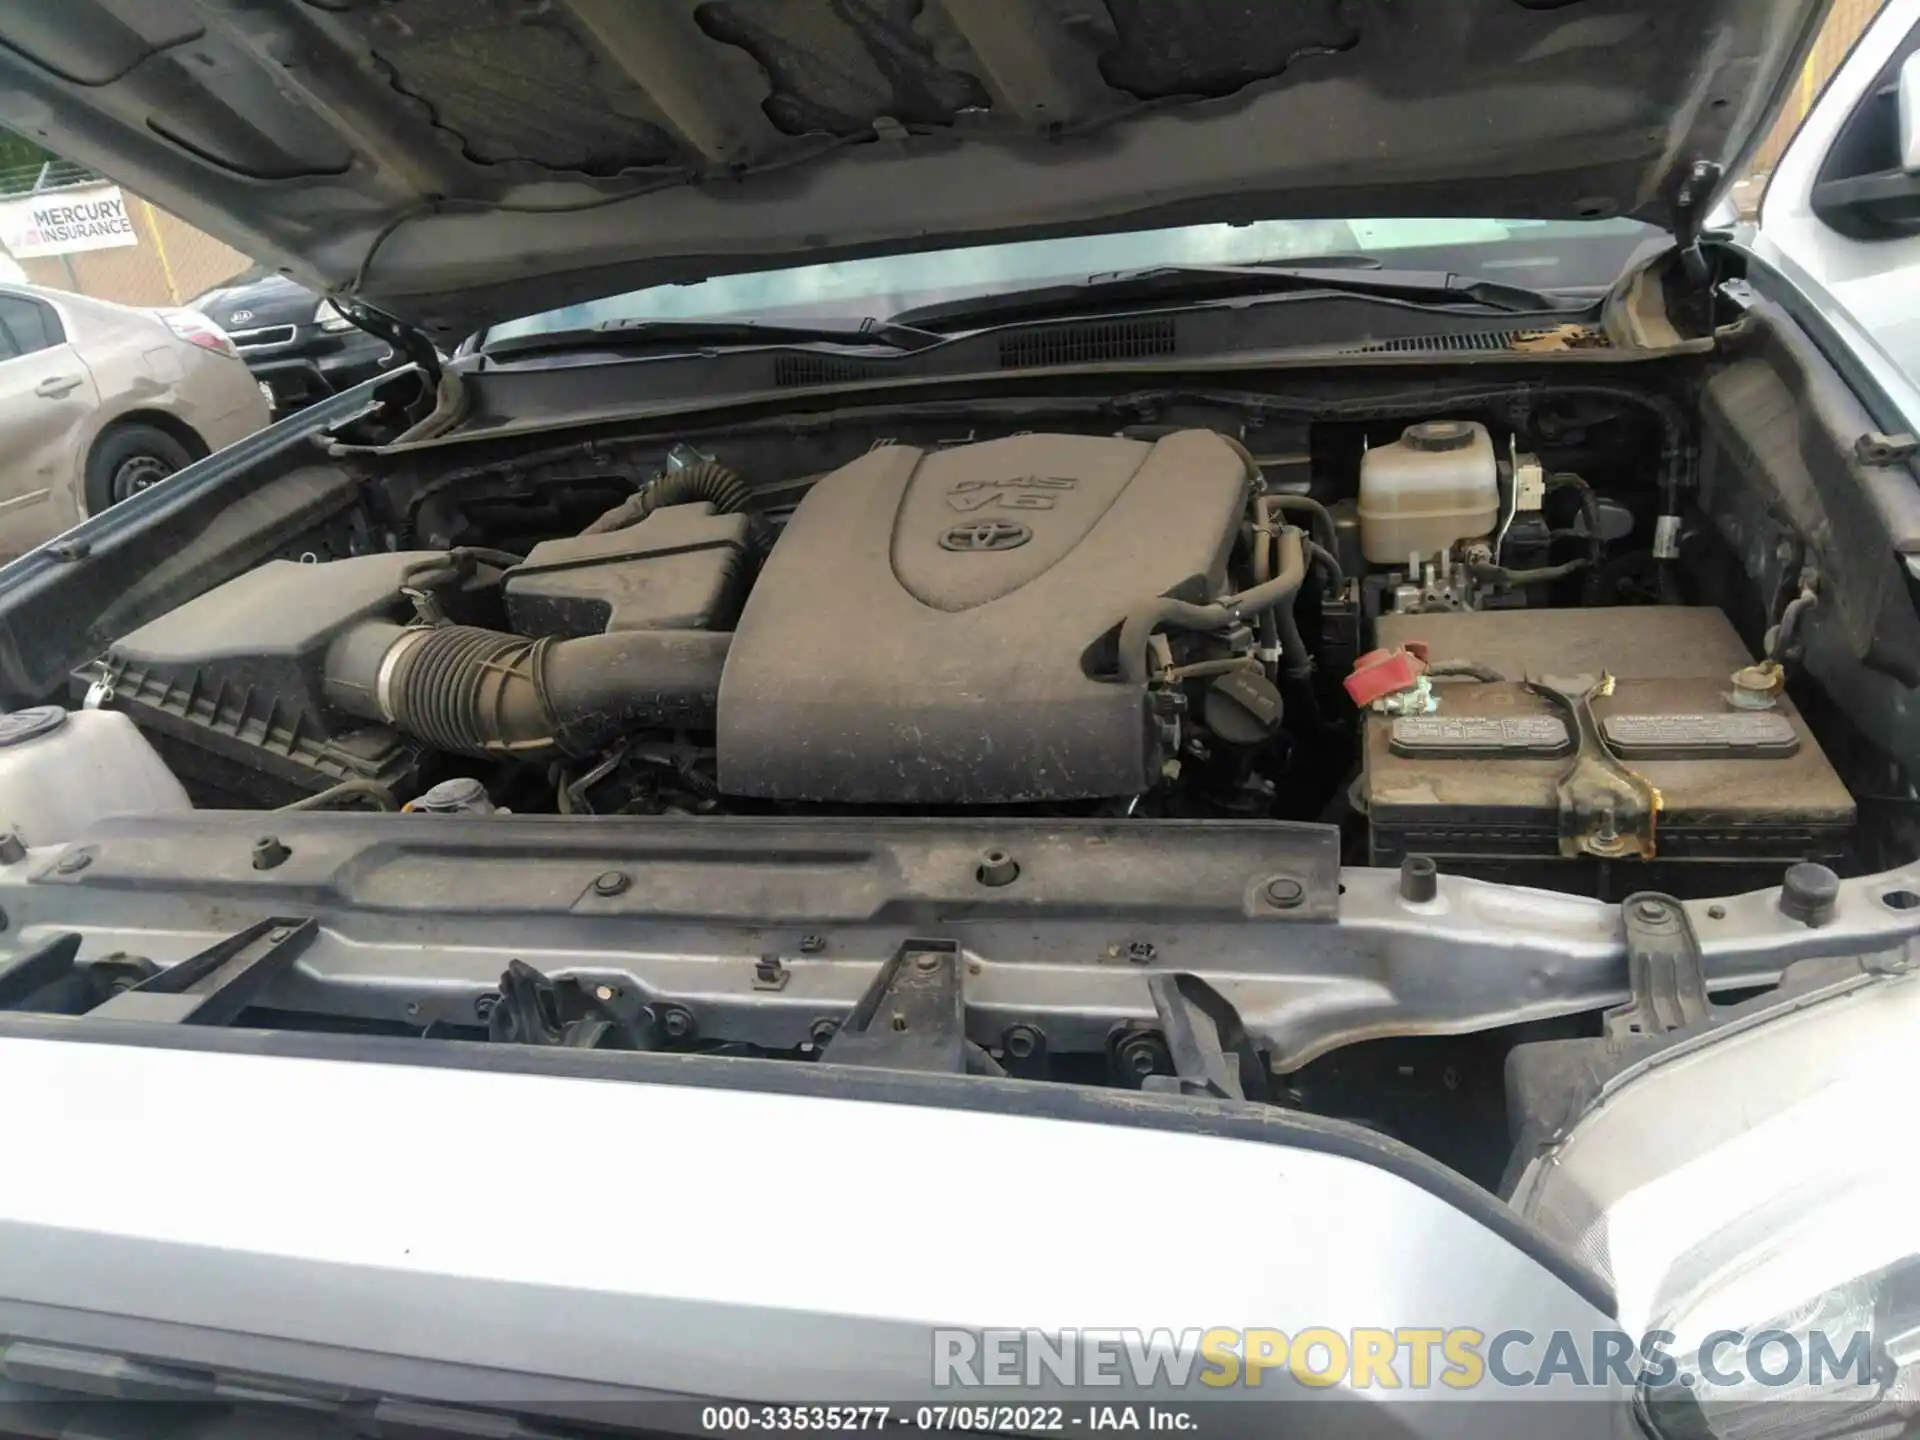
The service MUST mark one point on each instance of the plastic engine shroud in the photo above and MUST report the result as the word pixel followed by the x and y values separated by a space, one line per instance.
pixel 928 628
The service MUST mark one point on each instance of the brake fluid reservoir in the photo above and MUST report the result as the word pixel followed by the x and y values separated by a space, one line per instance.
pixel 1436 485
pixel 60 772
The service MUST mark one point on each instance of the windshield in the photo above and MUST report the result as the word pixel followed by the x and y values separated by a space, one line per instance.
pixel 1539 254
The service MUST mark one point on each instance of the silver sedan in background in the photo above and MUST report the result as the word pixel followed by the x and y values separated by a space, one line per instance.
pixel 99 400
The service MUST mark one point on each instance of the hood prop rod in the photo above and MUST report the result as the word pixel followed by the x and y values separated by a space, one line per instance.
pixel 1690 220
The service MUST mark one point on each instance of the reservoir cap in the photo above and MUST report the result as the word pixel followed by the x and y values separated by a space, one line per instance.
pixel 1438 435
pixel 19 726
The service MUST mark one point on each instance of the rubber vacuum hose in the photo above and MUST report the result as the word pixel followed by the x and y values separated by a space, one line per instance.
pixel 709 481
pixel 1276 594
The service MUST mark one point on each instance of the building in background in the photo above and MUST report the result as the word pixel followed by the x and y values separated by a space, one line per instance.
pixel 63 226
pixel 1846 22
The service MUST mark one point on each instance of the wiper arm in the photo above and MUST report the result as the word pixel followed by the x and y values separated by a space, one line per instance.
pixel 637 335
pixel 1214 282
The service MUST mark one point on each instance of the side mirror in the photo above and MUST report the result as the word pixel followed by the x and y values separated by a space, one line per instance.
pixel 1869 189
pixel 1871 183
pixel 1907 104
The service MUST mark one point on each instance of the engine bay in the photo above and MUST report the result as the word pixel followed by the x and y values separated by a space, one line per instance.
pixel 1433 631
pixel 1337 750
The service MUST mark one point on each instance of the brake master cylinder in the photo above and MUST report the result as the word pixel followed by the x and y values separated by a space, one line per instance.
pixel 1437 485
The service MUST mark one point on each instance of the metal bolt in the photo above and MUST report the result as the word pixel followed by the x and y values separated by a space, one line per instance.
pixel 612 882
pixel 1286 893
pixel 1139 1053
pixel 812 944
pixel 899 1021
pixel 1021 1041
pixel 73 864
pixel 1649 912
pixel 12 848
pixel 276 936
pixel 1141 952
pixel 413 1009
pixel 676 1023
pixel 823 1030
pixel 1716 912
pixel 997 868
pixel 926 960
pixel 268 852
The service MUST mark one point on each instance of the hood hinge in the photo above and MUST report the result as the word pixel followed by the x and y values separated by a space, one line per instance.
pixel 410 342
pixel 1690 206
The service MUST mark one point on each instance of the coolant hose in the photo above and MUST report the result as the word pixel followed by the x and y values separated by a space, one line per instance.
pixel 1275 595
pixel 1318 517
pixel 483 692
pixel 709 481
pixel 1500 575
pixel 1325 560
pixel 1590 513
pixel 1317 514
pixel 1296 664
pixel 355 789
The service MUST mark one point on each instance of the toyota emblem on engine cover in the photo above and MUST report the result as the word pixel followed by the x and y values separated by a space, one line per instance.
pixel 986 535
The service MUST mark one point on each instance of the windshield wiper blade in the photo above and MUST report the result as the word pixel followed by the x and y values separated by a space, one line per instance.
pixel 634 335
pixel 1195 283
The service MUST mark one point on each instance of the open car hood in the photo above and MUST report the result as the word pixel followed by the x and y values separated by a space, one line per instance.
pixel 457 162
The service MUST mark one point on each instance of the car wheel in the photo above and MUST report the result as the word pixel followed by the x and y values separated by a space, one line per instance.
pixel 129 458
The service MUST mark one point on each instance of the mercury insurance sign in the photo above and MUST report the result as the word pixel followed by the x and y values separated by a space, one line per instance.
pixel 59 222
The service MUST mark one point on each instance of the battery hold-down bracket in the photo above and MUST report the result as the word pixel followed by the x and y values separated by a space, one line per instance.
pixel 1607 809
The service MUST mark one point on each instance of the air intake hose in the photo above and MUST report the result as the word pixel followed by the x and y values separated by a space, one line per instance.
pixel 482 692
pixel 709 480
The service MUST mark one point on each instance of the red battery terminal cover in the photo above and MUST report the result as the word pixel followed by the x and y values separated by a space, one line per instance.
pixel 1380 673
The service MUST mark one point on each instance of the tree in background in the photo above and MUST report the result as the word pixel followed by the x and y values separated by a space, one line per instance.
pixel 20 157
pixel 17 152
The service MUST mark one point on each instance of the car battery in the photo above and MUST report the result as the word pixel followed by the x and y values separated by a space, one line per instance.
pixel 1478 783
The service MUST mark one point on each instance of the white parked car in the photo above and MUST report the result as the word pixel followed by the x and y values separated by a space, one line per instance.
pixel 99 400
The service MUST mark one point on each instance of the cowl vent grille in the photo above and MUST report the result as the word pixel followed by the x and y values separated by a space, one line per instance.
pixel 794 371
pixel 1079 344
pixel 1482 342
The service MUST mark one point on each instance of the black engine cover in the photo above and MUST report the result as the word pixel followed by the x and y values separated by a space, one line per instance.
pixel 929 628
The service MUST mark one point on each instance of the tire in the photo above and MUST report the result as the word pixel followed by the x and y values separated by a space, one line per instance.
pixel 129 458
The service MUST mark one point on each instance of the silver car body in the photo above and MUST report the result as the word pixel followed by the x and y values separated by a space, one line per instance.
pixel 702 1286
